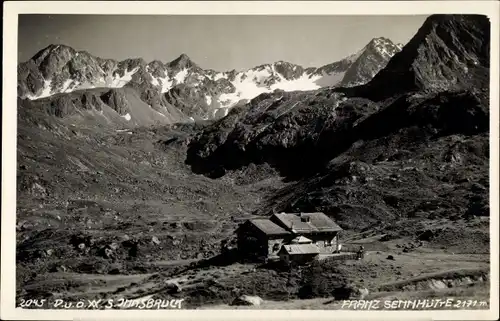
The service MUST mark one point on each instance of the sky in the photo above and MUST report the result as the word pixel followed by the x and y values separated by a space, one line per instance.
pixel 214 42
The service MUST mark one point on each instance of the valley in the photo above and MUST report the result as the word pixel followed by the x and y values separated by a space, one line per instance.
pixel 177 219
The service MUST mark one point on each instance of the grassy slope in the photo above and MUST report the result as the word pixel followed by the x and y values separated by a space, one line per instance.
pixel 114 186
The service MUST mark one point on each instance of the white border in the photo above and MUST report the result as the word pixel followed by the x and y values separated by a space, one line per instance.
pixel 9 130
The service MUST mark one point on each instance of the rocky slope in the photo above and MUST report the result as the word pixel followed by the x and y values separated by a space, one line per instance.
pixel 181 83
pixel 449 52
pixel 375 55
pixel 114 108
pixel 421 151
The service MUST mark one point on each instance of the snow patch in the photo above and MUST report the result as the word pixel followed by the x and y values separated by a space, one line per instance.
pixel 127 117
pixel 154 81
pixel 302 83
pixel 208 100
pixel 166 84
pixel 127 131
pixel 252 83
pixel 326 79
pixel 118 82
pixel 66 86
pixel 46 92
pixel 181 76
pixel 248 85
pixel 219 76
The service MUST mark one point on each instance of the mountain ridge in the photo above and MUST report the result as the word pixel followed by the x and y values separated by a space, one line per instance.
pixel 62 69
pixel 436 59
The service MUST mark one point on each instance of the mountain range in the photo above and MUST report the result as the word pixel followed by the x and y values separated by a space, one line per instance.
pixel 440 79
pixel 181 90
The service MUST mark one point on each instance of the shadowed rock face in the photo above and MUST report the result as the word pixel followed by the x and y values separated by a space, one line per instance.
pixel 99 107
pixel 116 100
pixel 301 141
pixel 183 61
pixel 438 82
pixel 448 52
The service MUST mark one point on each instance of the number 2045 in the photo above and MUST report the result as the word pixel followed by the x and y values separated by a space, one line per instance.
pixel 32 303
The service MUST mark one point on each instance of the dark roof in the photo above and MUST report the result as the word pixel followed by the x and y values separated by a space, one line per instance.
pixel 318 222
pixel 295 249
pixel 268 227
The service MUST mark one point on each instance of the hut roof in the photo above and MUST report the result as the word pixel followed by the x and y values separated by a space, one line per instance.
pixel 268 227
pixel 297 249
pixel 307 222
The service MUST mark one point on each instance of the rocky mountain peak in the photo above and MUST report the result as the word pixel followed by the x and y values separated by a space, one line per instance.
pixel 369 61
pixel 447 52
pixel 183 61
pixel 155 63
pixel 383 46
pixel 288 70
pixel 53 49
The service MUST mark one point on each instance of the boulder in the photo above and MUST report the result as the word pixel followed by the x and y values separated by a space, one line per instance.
pixel 113 246
pixel 58 268
pixel 426 235
pixel 173 287
pixel 106 252
pixel 155 240
pixel 247 300
pixel 114 271
pixel 362 293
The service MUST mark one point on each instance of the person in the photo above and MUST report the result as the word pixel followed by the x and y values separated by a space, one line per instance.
pixel 360 252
